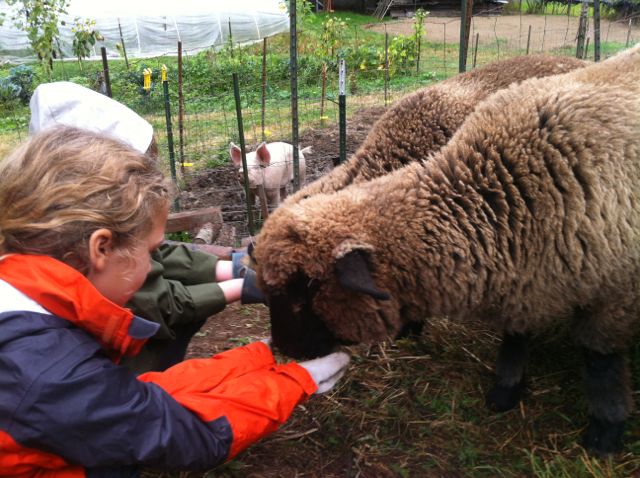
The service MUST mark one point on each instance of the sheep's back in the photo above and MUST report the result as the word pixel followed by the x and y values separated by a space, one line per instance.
pixel 555 172
pixel 420 123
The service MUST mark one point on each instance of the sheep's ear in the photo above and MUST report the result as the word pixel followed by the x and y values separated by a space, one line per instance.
pixel 236 154
pixel 353 273
pixel 263 154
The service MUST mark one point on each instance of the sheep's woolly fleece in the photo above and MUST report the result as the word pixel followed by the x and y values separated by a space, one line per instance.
pixel 529 212
pixel 422 122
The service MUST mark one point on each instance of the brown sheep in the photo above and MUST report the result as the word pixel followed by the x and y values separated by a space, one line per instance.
pixel 422 122
pixel 528 217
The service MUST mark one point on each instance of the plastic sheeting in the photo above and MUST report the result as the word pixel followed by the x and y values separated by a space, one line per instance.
pixel 153 28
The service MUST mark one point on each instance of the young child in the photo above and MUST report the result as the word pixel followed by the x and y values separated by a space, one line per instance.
pixel 185 286
pixel 79 215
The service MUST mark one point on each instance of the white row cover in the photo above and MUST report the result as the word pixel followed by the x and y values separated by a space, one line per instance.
pixel 153 28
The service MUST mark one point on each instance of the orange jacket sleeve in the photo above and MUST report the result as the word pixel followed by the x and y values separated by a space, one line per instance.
pixel 244 384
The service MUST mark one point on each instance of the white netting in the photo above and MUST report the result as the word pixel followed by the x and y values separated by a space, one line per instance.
pixel 153 28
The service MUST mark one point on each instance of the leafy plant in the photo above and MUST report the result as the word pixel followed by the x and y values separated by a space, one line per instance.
pixel 22 76
pixel 333 29
pixel 401 53
pixel 85 36
pixel 304 9
pixel 418 31
pixel 40 19
pixel 9 92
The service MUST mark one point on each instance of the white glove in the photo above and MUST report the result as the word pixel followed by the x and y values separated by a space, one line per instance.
pixel 327 370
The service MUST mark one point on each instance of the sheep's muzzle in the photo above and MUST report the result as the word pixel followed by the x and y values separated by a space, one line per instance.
pixel 297 331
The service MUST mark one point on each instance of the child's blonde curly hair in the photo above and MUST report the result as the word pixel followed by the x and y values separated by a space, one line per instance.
pixel 65 183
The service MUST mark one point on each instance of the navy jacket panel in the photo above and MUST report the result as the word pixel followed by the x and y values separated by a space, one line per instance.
pixel 60 393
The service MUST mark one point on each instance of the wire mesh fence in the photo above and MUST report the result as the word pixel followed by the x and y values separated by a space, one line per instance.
pixel 382 66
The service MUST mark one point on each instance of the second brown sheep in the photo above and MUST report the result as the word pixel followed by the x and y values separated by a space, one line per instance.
pixel 422 122
pixel 528 217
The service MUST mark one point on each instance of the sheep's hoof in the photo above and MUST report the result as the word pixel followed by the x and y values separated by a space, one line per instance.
pixel 603 437
pixel 501 398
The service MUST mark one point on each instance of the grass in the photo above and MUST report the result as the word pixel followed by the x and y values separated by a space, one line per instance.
pixel 210 121
pixel 415 408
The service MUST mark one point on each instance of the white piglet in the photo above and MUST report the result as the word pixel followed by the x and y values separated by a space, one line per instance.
pixel 270 165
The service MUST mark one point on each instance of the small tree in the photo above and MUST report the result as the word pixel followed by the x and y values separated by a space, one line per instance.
pixel 85 36
pixel 333 30
pixel 418 32
pixel 40 19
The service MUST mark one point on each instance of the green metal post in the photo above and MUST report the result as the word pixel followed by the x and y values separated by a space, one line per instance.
pixel 342 109
pixel 243 152
pixel 293 68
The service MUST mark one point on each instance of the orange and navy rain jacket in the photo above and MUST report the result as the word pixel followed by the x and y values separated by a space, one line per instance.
pixel 68 410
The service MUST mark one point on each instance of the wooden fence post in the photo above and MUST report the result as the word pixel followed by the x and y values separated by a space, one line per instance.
pixel 105 69
pixel 582 31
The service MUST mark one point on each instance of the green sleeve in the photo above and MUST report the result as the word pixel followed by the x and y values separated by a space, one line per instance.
pixel 173 303
pixel 186 265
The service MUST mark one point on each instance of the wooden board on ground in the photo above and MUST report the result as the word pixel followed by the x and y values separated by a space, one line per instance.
pixel 192 220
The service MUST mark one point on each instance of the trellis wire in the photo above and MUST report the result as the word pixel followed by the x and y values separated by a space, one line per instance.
pixel 209 126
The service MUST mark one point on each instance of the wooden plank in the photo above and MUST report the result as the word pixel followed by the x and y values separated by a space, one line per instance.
pixel 223 252
pixel 192 220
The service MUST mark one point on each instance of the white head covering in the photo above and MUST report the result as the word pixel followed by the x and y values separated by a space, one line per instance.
pixel 69 104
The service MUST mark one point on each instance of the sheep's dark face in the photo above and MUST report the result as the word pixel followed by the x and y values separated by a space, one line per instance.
pixel 300 308
pixel 296 330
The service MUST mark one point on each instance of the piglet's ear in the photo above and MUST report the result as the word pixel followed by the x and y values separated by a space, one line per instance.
pixel 353 273
pixel 235 153
pixel 263 154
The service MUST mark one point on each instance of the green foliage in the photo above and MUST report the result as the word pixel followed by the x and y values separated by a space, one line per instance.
pixel 418 32
pixel 614 10
pixel 40 19
pixel 22 77
pixel 401 53
pixel 304 9
pixel 85 36
pixel 179 236
pixel 17 87
pixel 418 23
pixel 9 92
pixel 333 31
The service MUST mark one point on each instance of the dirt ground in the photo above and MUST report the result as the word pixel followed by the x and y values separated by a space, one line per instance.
pixel 220 186
pixel 547 32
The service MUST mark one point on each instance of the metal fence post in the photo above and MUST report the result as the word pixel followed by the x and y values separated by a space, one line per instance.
pixel 293 53
pixel 243 152
pixel 167 114
pixel 342 106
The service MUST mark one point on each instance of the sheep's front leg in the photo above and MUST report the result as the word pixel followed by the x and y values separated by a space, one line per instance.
pixel 609 401
pixel 509 386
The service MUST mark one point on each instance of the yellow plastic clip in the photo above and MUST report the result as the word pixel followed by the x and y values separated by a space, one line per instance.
pixel 164 73
pixel 146 74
